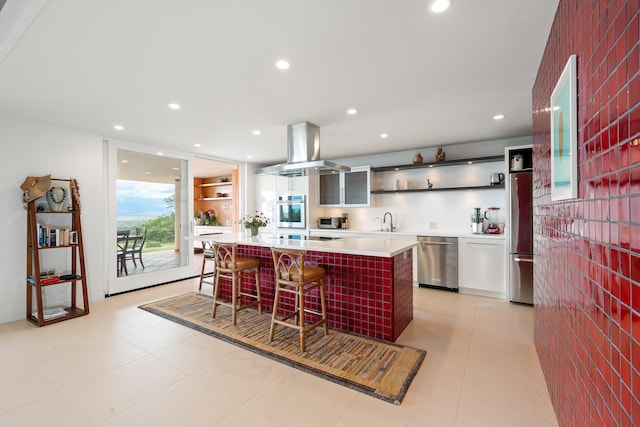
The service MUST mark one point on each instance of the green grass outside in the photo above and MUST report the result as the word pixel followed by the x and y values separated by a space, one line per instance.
pixel 164 247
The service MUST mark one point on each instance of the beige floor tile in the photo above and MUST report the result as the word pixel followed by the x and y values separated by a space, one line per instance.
pixel 485 401
pixel 83 365
pixel 241 374
pixel 12 359
pixel 114 392
pixel 159 336
pixel 186 403
pixel 304 400
pixel 195 353
pixel 52 411
pixel 24 387
pixel 247 416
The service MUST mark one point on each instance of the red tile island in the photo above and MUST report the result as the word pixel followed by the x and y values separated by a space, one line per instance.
pixel 369 282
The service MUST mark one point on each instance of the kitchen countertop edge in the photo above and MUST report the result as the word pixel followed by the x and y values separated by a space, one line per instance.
pixel 385 248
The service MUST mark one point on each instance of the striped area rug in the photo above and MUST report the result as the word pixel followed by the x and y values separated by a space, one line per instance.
pixel 377 368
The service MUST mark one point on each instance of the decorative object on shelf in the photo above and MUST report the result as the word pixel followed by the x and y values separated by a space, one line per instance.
pixel 224 179
pixel 55 198
pixel 407 185
pixel 429 184
pixel 255 222
pixel 517 162
pixel 440 155
pixel 417 159
pixel 396 184
pixel 210 217
pixel 34 187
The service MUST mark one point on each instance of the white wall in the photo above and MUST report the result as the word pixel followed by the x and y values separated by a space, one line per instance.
pixel 447 210
pixel 32 148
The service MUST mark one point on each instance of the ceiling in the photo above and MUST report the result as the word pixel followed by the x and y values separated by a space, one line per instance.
pixel 425 80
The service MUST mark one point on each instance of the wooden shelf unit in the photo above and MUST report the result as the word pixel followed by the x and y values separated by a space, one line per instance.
pixel 34 283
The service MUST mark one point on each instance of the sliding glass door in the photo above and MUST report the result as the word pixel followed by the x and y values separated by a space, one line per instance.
pixel 150 205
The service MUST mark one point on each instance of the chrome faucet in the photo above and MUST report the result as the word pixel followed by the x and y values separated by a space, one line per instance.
pixel 379 219
pixel 391 227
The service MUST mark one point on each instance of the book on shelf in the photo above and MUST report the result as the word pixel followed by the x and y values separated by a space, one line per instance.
pixel 50 313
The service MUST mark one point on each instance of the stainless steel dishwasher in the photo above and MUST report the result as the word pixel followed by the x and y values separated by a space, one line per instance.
pixel 438 262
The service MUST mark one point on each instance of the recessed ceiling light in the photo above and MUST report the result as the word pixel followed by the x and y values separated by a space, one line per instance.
pixel 352 111
pixel 498 117
pixel 383 135
pixel 159 153
pixel 469 162
pixel 197 145
pixel 124 161
pixel 174 106
pixel 249 156
pixel 147 173
pixel 118 127
pixel 283 65
pixel 256 132
pixel 438 6
pixel 176 169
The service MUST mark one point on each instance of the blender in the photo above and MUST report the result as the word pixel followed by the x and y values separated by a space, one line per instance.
pixel 477 221
pixel 493 216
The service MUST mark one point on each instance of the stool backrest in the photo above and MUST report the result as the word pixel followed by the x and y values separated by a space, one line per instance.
pixel 289 264
pixel 225 254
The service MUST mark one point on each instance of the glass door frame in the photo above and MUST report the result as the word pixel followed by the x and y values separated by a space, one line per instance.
pixel 114 284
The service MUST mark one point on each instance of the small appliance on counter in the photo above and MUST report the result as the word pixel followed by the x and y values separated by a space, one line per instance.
pixel 477 221
pixel 345 221
pixel 493 216
pixel 330 222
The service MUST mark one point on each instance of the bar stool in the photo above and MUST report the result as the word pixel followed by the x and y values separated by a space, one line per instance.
pixel 294 277
pixel 207 257
pixel 229 266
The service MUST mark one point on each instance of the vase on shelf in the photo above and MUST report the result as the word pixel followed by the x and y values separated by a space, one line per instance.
pixel 417 159
pixel 254 231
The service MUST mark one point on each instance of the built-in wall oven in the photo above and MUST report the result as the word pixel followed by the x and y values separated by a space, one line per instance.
pixel 292 211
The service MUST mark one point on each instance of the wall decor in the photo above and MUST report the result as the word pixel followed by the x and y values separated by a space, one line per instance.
pixel 564 135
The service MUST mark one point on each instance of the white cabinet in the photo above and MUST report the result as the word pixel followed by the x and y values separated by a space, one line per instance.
pixel 292 185
pixel 345 188
pixel 482 267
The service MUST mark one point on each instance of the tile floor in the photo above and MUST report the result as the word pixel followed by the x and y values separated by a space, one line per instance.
pixel 121 366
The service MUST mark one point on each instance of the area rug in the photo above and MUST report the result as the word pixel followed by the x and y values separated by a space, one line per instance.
pixel 378 368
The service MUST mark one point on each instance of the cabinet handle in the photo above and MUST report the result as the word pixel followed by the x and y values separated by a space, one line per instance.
pixel 436 243
pixel 523 259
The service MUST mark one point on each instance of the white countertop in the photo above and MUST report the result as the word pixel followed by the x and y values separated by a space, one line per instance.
pixel 358 246
pixel 409 234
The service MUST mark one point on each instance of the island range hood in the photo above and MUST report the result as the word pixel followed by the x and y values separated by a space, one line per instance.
pixel 303 153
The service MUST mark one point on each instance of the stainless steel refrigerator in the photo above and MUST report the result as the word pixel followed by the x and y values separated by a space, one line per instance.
pixel 521 238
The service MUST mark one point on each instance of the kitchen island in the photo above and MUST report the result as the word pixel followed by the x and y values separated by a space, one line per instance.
pixel 369 282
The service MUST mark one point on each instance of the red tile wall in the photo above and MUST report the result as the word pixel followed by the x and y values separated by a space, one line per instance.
pixel 587 270
pixel 366 295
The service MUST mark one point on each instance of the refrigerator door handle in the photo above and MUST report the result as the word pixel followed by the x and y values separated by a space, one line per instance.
pixel 523 259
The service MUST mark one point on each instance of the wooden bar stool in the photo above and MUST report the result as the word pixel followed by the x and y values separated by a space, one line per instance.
pixel 294 277
pixel 208 256
pixel 229 266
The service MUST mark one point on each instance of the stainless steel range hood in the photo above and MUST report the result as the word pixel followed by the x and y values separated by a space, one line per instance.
pixel 303 153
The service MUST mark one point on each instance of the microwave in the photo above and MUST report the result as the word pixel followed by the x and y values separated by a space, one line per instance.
pixel 330 222
pixel 291 211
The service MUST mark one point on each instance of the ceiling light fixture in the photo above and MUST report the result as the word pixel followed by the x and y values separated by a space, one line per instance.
pixel 383 135
pixel 283 65
pixel 174 106
pixel 256 132
pixel 118 127
pixel 498 117
pixel 439 6
pixel 197 145
pixel 352 111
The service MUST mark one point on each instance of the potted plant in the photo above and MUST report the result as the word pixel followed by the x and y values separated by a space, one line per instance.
pixel 255 222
